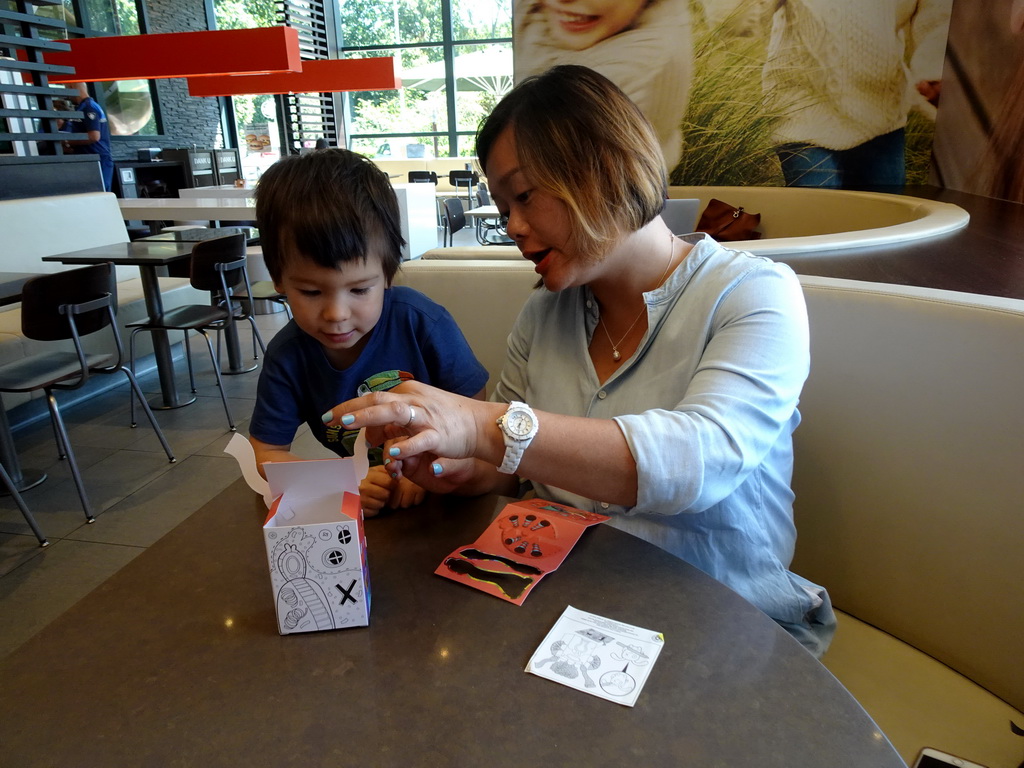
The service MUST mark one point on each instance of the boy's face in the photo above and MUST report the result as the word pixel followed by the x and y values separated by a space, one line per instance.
pixel 337 307
pixel 579 24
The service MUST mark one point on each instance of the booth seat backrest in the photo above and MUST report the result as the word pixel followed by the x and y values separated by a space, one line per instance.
pixel 484 297
pixel 909 470
pixel 787 211
pixel 45 226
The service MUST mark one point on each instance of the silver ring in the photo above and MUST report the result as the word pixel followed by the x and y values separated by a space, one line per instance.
pixel 412 416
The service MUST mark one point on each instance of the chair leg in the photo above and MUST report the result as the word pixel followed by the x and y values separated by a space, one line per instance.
pixel 29 517
pixel 131 369
pixel 149 414
pixel 220 382
pixel 61 452
pixel 65 444
pixel 188 359
pixel 256 337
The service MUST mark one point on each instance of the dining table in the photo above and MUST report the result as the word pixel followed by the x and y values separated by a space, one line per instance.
pixel 194 235
pixel 150 258
pixel 177 660
pixel 416 206
pixel 212 208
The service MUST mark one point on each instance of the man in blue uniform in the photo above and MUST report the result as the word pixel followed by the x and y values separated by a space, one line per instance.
pixel 91 120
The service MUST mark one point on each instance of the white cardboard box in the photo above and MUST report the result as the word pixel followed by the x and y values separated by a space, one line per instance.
pixel 316 546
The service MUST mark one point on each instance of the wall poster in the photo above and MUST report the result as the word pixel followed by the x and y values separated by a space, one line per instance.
pixel 828 93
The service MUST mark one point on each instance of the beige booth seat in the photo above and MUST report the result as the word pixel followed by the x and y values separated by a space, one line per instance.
pixel 910 487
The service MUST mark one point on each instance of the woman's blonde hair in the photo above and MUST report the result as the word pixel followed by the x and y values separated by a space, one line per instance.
pixel 582 140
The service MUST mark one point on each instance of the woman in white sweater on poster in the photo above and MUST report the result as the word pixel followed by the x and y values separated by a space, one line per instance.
pixel 844 76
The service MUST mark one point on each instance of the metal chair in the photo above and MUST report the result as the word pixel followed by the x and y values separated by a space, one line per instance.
pixel 489 231
pixel 216 266
pixel 467 180
pixel 67 306
pixel 12 489
pixel 454 220
pixel 422 177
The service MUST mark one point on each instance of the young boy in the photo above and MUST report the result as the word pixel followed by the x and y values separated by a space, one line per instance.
pixel 329 224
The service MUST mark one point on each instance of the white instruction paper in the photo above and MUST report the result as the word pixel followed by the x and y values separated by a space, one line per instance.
pixel 599 656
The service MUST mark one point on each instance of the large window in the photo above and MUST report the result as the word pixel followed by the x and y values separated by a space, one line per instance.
pixel 456 62
pixel 256 118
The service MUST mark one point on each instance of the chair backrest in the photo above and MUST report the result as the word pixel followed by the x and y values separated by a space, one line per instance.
pixel 43 296
pixel 422 177
pixel 482 194
pixel 463 178
pixel 207 254
pixel 455 214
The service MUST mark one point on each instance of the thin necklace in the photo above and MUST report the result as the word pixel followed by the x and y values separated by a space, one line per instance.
pixel 616 355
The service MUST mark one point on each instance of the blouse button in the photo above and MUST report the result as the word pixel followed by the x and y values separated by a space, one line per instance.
pixel 604 505
pixel 602 395
pixel 590 304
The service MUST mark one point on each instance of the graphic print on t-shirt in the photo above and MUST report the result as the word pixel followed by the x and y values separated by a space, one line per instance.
pixel 379 382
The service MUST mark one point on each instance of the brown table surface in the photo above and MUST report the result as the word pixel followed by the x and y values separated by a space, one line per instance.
pixel 136 253
pixel 194 235
pixel 176 661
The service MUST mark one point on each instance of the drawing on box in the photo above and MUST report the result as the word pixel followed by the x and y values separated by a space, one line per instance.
pixel 305 600
pixel 509 583
pixel 302 602
pixel 574 650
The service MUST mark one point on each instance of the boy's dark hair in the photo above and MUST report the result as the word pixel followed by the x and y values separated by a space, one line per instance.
pixel 331 206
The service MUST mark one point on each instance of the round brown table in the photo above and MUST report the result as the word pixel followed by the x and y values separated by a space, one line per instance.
pixel 176 661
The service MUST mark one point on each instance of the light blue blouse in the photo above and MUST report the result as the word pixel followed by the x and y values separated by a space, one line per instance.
pixel 708 407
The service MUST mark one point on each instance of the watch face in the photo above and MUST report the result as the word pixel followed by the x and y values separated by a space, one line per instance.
pixel 519 423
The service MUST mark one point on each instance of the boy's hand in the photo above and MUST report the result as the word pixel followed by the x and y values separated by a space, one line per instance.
pixel 375 490
pixel 405 494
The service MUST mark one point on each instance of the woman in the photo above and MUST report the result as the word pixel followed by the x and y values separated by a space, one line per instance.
pixel 663 373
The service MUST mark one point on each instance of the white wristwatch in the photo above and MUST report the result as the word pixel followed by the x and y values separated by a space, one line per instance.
pixel 518 427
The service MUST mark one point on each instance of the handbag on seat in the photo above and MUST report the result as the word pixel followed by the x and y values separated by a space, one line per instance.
pixel 727 223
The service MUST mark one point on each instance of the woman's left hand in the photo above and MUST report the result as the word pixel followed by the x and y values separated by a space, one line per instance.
pixel 434 423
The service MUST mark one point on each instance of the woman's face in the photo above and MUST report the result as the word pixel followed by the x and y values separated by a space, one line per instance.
pixel 579 24
pixel 538 222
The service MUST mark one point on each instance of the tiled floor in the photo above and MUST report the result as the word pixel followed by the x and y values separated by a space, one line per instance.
pixel 137 494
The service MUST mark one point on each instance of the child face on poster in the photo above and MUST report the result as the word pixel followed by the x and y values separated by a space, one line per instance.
pixel 578 24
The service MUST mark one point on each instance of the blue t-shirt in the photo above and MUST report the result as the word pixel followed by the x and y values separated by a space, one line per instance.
pixel 414 338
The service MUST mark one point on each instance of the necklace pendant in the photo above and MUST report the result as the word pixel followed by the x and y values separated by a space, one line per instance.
pixel 615 355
